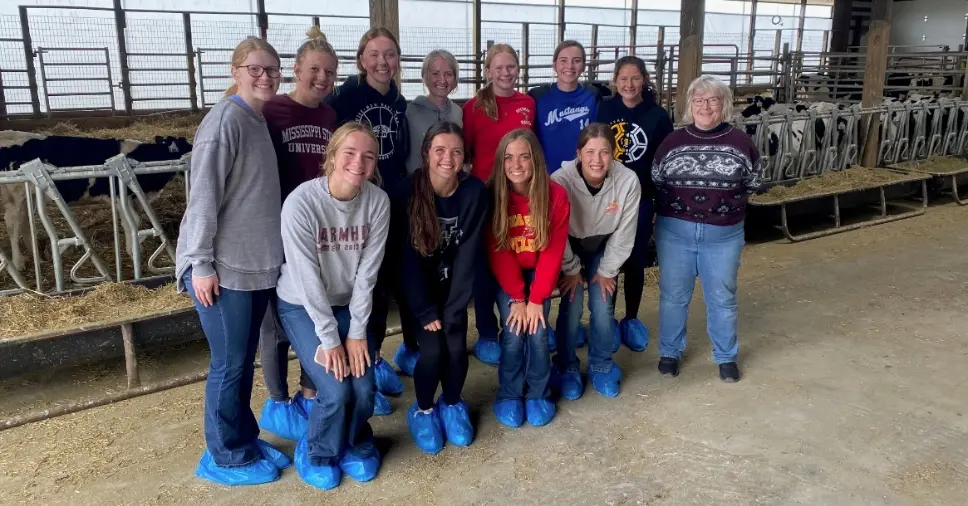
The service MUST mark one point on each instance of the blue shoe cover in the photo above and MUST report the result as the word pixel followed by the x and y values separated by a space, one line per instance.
pixel 387 381
pixel 510 412
pixel 284 419
pixel 571 385
pixel 606 383
pixel 457 422
pixel 552 341
pixel 540 411
pixel 616 336
pixel 273 455
pixel 256 473
pixel 427 429
pixel 635 334
pixel 304 404
pixel 322 477
pixel 361 462
pixel 488 351
pixel 582 334
pixel 381 405
pixel 406 359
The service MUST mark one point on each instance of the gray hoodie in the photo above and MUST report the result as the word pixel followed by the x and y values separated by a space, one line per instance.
pixel 421 115
pixel 607 219
pixel 231 222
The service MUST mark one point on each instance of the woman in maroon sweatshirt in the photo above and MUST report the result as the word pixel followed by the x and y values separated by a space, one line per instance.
pixel 300 126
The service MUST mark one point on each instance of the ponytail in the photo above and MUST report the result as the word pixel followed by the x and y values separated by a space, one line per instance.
pixel 486 100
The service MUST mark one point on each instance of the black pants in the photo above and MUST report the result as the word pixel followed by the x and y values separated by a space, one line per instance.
pixel 275 356
pixel 443 361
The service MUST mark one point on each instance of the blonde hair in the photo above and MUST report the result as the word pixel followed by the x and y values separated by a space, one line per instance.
pixel 317 42
pixel 486 99
pixel 242 51
pixel 374 33
pixel 433 55
pixel 538 191
pixel 336 142
pixel 708 84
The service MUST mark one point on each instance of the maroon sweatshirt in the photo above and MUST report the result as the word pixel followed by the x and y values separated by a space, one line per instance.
pixel 706 176
pixel 300 135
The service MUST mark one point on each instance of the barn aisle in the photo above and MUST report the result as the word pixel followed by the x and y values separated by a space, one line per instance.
pixel 853 349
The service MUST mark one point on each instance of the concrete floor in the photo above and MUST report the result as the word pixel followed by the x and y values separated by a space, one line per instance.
pixel 853 350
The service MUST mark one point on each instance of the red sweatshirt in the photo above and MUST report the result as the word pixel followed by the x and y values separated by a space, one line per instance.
pixel 482 134
pixel 507 264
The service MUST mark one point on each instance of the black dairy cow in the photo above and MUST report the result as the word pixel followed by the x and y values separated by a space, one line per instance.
pixel 758 104
pixel 18 148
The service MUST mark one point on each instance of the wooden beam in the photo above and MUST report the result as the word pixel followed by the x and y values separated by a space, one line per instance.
pixel 561 21
pixel 751 42
pixel 840 28
pixel 691 19
pixel 801 22
pixel 386 14
pixel 478 53
pixel 875 67
pixel 634 27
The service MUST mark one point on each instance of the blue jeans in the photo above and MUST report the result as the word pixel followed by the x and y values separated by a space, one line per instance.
pixel 712 252
pixel 602 312
pixel 231 326
pixel 341 411
pixel 523 356
pixel 485 295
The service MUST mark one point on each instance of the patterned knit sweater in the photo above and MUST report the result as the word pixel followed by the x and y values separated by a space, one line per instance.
pixel 706 176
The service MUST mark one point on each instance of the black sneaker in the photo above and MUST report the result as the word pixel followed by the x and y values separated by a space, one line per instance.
pixel 668 366
pixel 729 372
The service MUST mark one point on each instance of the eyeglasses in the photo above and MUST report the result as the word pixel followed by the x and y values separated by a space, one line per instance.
pixel 713 102
pixel 258 70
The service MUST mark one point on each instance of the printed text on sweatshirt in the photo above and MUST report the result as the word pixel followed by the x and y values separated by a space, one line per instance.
pixel 482 134
pixel 706 176
pixel 561 117
pixel 605 220
pixel 300 135
pixel 333 254
pixel 638 133
pixel 508 264
pixel 231 221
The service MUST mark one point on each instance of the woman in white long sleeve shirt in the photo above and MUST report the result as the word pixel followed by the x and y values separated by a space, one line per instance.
pixel 334 231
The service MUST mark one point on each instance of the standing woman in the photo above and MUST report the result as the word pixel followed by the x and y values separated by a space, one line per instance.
pixel 373 99
pixel 442 211
pixel 564 107
pixel 639 126
pixel 498 108
pixel 300 126
pixel 439 74
pixel 604 197
pixel 334 230
pixel 529 233
pixel 228 257
pixel 705 174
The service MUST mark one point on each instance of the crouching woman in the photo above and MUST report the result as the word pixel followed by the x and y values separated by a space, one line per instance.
pixel 604 196
pixel 334 231
pixel 528 236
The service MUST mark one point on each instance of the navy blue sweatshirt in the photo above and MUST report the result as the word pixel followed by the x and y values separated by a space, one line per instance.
pixel 638 133
pixel 355 100
pixel 440 286
pixel 560 118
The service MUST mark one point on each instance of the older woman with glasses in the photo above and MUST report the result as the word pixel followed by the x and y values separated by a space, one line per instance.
pixel 704 174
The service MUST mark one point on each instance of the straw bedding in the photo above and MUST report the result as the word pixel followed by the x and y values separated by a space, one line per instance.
pixel 936 165
pixel 854 178
pixel 144 130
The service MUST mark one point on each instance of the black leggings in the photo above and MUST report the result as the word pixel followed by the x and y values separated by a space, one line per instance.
pixel 443 361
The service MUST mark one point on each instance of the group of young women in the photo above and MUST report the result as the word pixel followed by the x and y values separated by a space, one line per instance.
pixel 310 210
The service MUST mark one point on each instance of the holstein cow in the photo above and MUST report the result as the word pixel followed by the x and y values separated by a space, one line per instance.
pixel 798 126
pixel 17 148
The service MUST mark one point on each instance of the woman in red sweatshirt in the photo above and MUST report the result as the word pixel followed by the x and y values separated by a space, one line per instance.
pixel 497 109
pixel 526 244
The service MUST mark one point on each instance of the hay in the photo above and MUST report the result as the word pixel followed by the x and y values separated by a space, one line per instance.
pixel 29 313
pixel 936 165
pixel 854 178
pixel 143 130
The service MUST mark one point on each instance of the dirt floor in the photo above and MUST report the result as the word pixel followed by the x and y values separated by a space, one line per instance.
pixel 853 349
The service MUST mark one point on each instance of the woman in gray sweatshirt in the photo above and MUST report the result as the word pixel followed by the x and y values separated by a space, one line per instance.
pixel 604 196
pixel 228 257
pixel 334 232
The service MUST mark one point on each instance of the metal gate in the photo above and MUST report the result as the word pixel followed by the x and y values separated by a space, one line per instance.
pixel 56 72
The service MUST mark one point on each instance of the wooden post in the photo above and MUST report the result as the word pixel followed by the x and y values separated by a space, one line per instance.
pixel 524 54
pixel 593 68
pixel 130 357
pixel 751 43
pixel 660 64
pixel 386 14
pixel 190 58
pixel 803 20
pixel 561 20
pixel 262 19
pixel 634 27
pixel 316 21
pixel 875 67
pixel 29 59
pixel 840 27
pixel 3 100
pixel 478 54
pixel 119 25
pixel 690 49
